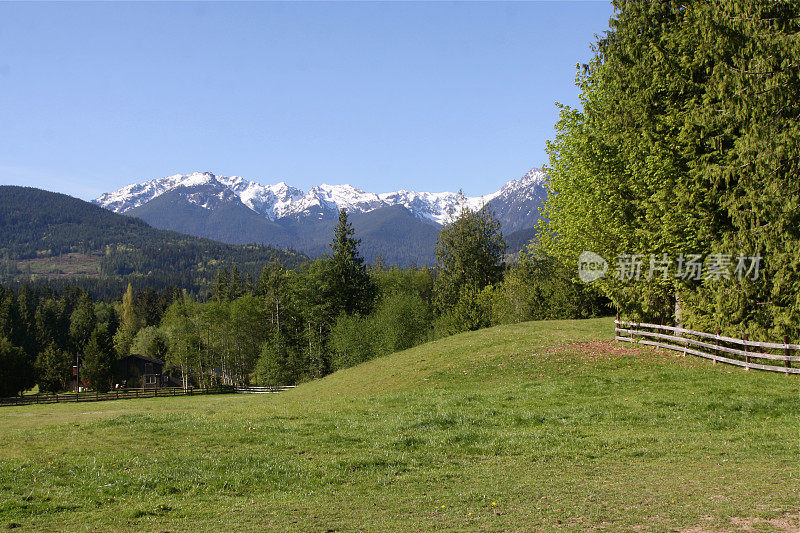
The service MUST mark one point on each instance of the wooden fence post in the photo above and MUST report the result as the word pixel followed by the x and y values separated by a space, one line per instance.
pixel 786 353
pixel 746 351
pixel 685 343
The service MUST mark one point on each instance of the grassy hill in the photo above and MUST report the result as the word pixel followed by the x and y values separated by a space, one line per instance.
pixel 536 426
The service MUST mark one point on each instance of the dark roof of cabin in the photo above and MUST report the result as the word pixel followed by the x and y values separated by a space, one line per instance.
pixel 145 358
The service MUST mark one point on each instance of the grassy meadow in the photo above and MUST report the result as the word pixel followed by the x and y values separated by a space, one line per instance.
pixel 536 426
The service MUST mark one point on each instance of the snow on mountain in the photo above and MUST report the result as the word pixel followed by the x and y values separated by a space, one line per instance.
pixel 281 200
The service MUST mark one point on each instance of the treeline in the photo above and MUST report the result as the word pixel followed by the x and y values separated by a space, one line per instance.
pixel 686 155
pixel 42 331
pixel 288 325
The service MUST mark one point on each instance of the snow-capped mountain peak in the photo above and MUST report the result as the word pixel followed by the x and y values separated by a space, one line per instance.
pixel 282 200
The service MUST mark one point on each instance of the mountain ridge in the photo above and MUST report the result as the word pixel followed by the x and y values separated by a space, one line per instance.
pixel 281 200
pixel 400 226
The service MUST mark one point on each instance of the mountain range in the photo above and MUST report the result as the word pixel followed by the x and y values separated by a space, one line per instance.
pixel 400 226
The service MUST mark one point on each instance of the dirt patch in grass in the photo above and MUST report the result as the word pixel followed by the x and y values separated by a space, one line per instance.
pixel 786 522
pixel 606 350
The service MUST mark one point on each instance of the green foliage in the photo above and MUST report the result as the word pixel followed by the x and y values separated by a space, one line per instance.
pixel 183 337
pixel 687 143
pixel 538 287
pixel 353 340
pixel 150 341
pixel 469 253
pixel 347 287
pixel 129 325
pixel 82 322
pixel 472 311
pixel 410 280
pixel 401 320
pixel 17 329
pixel 13 364
pixel 54 369
pixel 98 360
pixel 278 364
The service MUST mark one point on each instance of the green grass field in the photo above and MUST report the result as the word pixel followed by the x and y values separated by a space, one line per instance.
pixel 538 426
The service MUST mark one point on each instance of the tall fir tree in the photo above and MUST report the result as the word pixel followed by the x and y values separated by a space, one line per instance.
pixel 99 357
pixel 54 367
pixel 348 288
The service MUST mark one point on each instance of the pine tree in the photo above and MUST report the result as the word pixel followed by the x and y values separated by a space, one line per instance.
pixel 99 357
pixel 236 285
pixel 221 288
pixel 82 323
pixel 54 367
pixel 13 363
pixel 348 288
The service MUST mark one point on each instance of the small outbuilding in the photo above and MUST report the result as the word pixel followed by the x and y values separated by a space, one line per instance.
pixel 139 371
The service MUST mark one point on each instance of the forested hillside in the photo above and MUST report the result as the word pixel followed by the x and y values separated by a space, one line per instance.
pixel 286 325
pixel 44 234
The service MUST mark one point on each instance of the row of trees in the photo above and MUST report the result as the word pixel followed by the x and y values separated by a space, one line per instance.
pixel 688 142
pixel 288 325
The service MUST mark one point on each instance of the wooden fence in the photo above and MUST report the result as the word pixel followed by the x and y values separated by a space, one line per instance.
pixel 72 397
pixel 262 390
pixel 741 352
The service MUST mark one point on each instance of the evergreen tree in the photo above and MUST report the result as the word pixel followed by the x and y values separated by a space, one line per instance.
pixel 82 323
pixel 688 142
pixel 13 368
pixel 20 334
pixel 54 368
pixel 221 288
pixel 236 285
pixel 98 360
pixel 347 286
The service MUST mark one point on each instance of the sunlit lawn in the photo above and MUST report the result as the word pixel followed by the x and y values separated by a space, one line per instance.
pixel 523 427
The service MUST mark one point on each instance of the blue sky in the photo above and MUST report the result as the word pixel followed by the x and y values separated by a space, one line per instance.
pixel 426 96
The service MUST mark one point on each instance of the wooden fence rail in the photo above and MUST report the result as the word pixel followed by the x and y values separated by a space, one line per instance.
pixel 262 390
pixel 741 352
pixel 124 394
